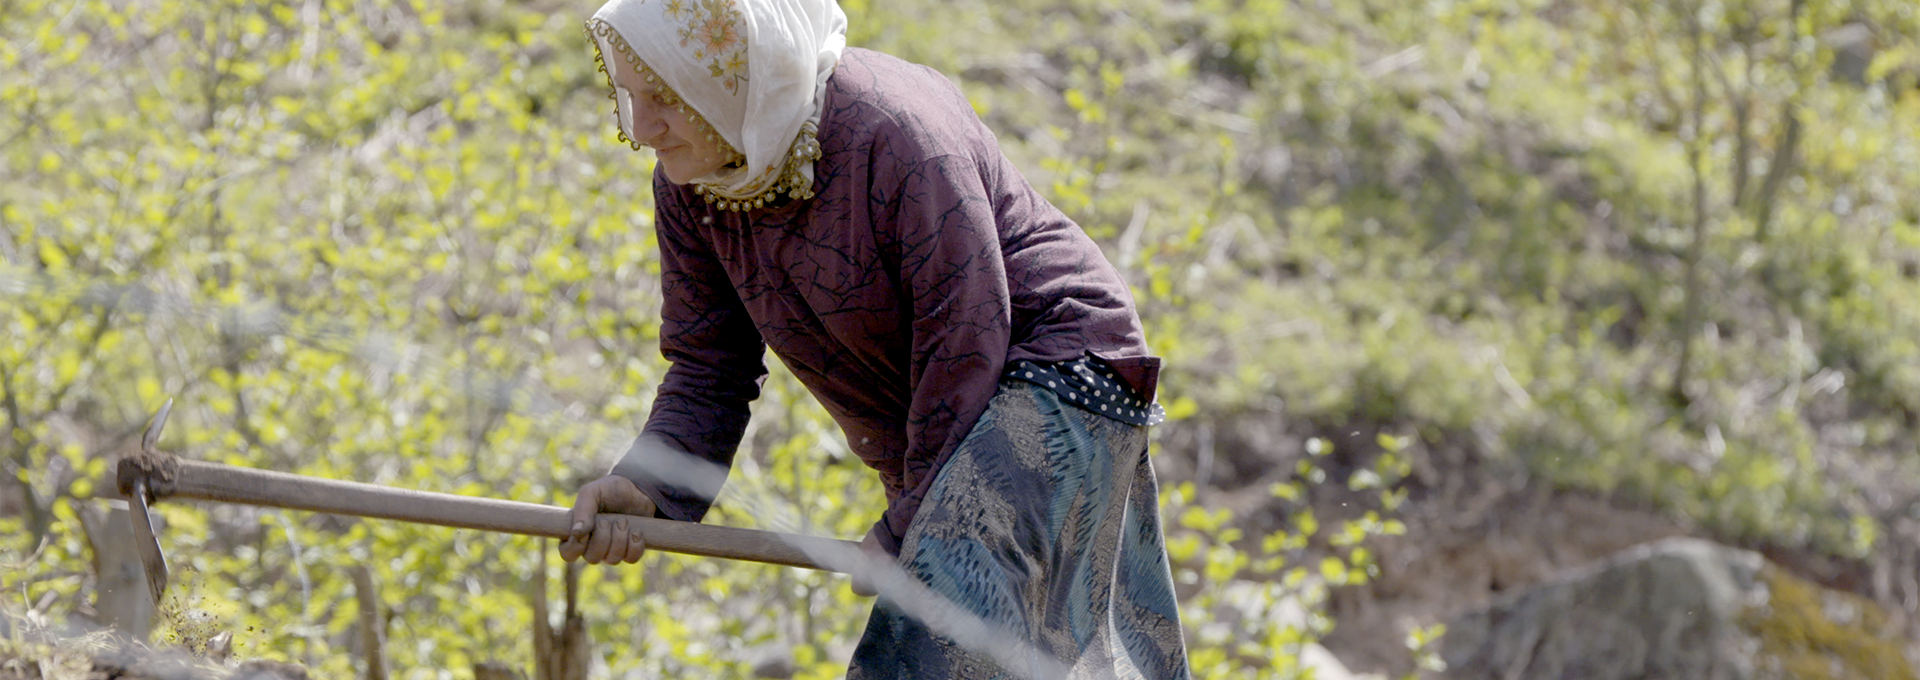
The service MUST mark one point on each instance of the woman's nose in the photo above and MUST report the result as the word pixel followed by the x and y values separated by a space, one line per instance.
pixel 649 119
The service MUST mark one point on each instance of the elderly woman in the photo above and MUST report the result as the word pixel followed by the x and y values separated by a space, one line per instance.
pixel 849 210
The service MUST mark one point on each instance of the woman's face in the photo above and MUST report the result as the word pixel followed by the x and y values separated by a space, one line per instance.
pixel 681 146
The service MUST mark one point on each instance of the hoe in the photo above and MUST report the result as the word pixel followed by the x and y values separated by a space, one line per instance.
pixel 150 475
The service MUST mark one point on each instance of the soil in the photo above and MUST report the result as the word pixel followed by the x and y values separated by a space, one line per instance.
pixel 95 657
pixel 1475 530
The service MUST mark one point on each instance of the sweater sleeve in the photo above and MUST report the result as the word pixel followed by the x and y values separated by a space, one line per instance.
pixel 955 279
pixel 716 368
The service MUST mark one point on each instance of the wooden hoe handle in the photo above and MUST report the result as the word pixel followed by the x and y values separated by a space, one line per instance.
pixel 177 478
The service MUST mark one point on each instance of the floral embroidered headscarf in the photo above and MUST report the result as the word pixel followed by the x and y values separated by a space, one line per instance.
pixel 753 72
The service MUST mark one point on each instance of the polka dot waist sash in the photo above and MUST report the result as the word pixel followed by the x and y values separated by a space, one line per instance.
pixel 1089 383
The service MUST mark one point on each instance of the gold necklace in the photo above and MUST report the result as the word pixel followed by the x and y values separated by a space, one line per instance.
pixel 793 181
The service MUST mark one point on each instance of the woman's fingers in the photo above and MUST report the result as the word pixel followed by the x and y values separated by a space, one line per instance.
pixel 596 539
pixel 624 545
pixel 571 549
pixel 636 547
pixel 616 541
pixel 600 542
pixel 586 506
pixel 863 582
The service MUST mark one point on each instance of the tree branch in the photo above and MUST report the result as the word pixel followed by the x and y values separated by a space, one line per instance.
pixel 21 442
pixel 373 629
pixel 1786 154
pixel 1696 251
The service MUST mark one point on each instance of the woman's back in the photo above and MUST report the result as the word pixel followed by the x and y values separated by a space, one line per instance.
pixel 899 292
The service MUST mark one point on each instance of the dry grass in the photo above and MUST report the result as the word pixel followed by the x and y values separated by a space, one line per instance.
pixel 31 646
pixel 36 648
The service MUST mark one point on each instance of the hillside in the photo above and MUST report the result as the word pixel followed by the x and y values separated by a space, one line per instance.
pixel 1451 295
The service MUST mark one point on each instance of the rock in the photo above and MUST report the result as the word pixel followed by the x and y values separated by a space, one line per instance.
pixel 772 660
pixel 139 662
pixel 121 599
pixel 496 670
pixel 1806 632
pixel 1680 609
pixel 268 670
pixel 1853 52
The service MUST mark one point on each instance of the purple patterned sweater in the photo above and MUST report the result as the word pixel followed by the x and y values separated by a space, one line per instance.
pixel 898 294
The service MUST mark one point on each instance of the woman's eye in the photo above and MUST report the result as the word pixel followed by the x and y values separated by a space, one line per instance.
pixel 655 99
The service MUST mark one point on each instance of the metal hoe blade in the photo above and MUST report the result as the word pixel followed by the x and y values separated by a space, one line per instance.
pixel 140 510
pixel 151 438
pixel 146 542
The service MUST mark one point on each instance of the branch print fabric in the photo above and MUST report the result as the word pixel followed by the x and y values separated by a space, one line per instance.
pixel 1045 525
pixel 897 295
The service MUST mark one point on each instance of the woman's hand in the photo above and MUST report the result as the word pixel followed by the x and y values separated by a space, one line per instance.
pixel 611 494
pixel 870 547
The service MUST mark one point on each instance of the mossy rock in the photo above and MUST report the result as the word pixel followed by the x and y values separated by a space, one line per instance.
pixel 1681 609
pixel 1806 632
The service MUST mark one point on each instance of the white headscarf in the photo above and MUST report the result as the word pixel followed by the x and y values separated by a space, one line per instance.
pixel 756 70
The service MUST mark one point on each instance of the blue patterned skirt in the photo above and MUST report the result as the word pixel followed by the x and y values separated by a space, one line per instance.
pixel 1043 530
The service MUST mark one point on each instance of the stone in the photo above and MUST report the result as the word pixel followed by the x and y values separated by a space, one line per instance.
pixel 1679 609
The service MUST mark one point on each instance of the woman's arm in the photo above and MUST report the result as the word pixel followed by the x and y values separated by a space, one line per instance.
pixel 955 280
pixel 716 368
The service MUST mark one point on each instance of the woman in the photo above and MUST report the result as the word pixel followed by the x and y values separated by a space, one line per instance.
pixel 849 210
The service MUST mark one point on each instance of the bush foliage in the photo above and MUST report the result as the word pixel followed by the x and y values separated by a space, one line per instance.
pixel 1663 249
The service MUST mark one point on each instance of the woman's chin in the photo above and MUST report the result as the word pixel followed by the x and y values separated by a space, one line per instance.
pixel 682 173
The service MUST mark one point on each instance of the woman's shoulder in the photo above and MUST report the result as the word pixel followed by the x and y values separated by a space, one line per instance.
pixel 874 97
pixel 865 73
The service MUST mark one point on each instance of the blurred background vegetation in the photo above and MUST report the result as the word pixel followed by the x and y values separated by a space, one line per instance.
pixel 1421 272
